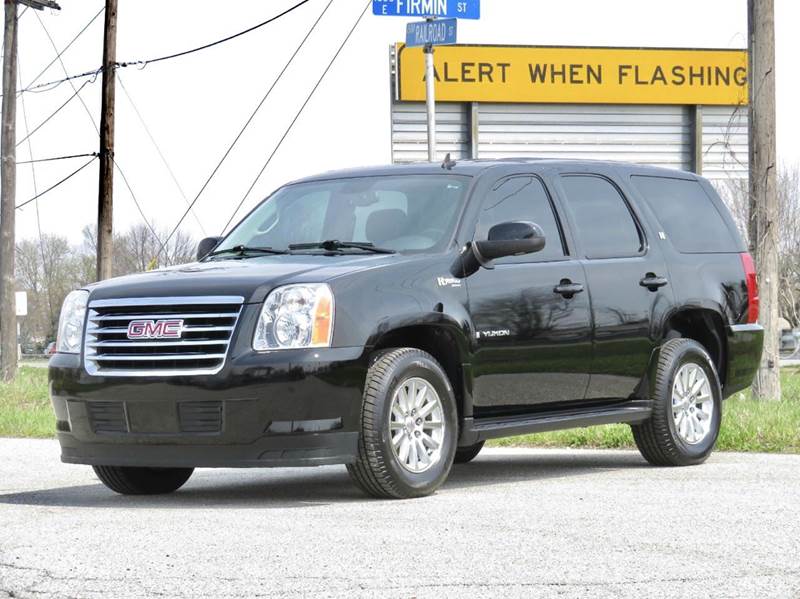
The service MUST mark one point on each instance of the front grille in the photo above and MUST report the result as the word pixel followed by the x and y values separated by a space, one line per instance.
pixel 198 346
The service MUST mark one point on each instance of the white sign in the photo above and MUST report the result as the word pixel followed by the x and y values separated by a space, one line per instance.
pixel 22 303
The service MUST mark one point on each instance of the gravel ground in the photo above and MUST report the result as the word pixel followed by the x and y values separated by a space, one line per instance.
pixel 516 522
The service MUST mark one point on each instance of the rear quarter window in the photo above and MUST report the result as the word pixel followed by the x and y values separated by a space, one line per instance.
pixel 686 214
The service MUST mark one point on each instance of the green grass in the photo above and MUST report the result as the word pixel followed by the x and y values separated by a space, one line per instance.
pixel 25 409
pixel 747 425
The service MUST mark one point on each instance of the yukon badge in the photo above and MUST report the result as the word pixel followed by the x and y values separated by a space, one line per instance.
pixel 155 329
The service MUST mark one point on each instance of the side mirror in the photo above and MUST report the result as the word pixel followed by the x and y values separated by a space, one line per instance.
pixel 205 247
pixel 506 239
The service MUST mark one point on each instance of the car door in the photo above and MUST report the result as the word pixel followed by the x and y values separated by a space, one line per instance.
pixel 530 313
pixel 627 281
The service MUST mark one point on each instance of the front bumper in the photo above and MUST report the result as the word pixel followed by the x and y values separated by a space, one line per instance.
pixel 286 408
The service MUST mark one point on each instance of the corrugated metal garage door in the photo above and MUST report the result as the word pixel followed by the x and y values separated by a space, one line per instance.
pixel 654 135
pixel 410 131
pixel 725 148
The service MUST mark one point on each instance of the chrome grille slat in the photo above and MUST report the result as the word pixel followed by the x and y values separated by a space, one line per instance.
pixel 189 329
pixel 117 343
pixel 108 352
pixel 148 357
pixel 165 315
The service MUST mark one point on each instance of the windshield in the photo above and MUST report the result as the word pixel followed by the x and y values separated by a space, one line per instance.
pixel 409 213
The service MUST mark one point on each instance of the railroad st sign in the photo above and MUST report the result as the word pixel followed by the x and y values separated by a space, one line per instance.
pixel 458 9
pixel 433 32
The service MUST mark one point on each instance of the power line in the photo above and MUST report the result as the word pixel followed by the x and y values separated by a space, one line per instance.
pixel 158 149
pixel 216 43
pixel 67 47
pixel 36 193
pixel 297 116
pixel 136 201
pixel 52 187
pixel 248 121
pixel 95 154
pixel 97 130
pixel 54 113
pixel 144 63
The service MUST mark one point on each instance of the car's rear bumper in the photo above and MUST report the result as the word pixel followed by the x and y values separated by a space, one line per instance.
pixel 745 343
pixel 292 408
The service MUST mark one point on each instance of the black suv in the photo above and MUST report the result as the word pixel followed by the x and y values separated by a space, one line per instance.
pixel 393 319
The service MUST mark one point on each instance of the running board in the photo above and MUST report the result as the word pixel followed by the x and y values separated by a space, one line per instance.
pixel 480 429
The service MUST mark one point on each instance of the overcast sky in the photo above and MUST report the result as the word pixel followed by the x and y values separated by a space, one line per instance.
pixel 195 105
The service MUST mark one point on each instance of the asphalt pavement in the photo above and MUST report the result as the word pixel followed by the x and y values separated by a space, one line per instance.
pixel 514 523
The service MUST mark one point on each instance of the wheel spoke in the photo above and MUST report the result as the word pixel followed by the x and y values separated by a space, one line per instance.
pixel 422 453
pixel 427 408
pixel 405 447
pixel 701 415
pixel 413 459
pixel 397 439
pixel 429 441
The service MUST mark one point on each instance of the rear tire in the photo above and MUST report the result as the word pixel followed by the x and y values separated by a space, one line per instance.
pixel 127 480
pixel 408 426
pixel 684 425
pixel 469 453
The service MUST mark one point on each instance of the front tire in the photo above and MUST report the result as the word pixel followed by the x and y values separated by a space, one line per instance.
pixel 687 407
pixel 408 426
pixel 127 480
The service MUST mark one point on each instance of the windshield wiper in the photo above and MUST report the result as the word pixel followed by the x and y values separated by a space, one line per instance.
pixel 334 245
pixel 243 250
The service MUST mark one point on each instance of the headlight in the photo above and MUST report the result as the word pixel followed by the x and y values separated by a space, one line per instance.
pixel 70 324
pixel 295 316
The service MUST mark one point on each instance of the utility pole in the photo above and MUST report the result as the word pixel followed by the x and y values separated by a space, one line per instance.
pixel 8 182
pixel 105 202
pixel 8 312
pixel 763 225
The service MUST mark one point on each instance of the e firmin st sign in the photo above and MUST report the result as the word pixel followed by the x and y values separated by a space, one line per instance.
pixel 467 73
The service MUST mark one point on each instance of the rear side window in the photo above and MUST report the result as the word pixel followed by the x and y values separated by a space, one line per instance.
pixel 522 198
pixel 604 223
pixel 688 216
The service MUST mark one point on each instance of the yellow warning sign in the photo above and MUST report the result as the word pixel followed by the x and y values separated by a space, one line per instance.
pixel 576 75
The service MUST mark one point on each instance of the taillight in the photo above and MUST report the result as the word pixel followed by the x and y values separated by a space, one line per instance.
pixel 752 287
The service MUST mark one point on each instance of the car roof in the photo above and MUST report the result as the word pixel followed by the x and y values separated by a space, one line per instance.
pixel 474 168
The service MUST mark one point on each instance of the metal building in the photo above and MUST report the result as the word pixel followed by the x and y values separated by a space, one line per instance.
pixel 596 103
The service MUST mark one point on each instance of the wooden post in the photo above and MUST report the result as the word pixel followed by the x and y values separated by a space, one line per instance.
pixel 105 203
pixel 8 312
pixel 763 189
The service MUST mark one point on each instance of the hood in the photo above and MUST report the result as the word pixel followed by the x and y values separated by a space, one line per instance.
pixel 251 278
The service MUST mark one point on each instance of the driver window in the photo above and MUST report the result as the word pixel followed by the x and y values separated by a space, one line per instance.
pixel 522 198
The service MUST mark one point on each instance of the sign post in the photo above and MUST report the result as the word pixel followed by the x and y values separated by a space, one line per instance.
pixel 430 33
pixel 430 100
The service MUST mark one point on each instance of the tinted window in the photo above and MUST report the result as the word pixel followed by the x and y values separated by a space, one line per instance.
pixel 688 216
pixel 604 223
pixel 522 198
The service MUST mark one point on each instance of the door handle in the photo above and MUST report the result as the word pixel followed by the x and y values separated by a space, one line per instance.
pixel 653 281
pixel 567 288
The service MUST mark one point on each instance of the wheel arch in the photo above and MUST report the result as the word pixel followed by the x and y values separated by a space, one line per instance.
pixel 446 342
pixel 707 327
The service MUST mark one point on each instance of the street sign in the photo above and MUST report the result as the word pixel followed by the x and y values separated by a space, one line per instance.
pixel 456 9
pixel 435 32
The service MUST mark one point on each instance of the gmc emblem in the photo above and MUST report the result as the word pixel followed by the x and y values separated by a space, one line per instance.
pixel 155 329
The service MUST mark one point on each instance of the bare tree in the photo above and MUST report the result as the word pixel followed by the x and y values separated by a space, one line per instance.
pixel 737 196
